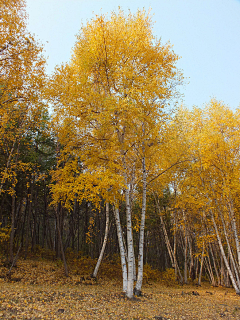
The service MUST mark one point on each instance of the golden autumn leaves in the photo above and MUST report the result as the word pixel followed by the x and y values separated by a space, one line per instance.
pixel 117 81
pixel 115 136
pixel 110 105
pixel 21 82
pixel 119 141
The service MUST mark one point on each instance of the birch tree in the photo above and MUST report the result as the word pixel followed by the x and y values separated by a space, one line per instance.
pixel 211 180
pixel 109 114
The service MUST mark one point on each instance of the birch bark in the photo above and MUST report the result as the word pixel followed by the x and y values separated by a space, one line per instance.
pixel 122 250
pixel 230 252
pixel 130 281
pixel 172 254
pixel 234 227
pixel 12 226
pixel 209 268
pixel 185 249
pixel 138 286
pixel 104 243
pixel 214 263
pixel 201 267
pixel 237 289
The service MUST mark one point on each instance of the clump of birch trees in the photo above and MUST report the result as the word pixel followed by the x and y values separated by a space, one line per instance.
pixel 119 167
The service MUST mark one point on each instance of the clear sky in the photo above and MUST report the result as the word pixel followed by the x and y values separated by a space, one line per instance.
pixel 205 33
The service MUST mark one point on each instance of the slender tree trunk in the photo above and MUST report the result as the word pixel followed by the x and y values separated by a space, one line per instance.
pixel 28 220
pixel 129 245
pixel 104 242
pixel 12 226
pixel 185 249
pixel 214 264
pixel 237 289
pixel 209 268
pixel 222 271
pixel 191 269
pixel 85 229
pixel 134 267
pixel 78 233
pixel 122 250
pixel 146 247
pixel 177 271
pixel 44 217
pixel 176 268
pixel 51 239
pixel 234 264
pixel 185 260
pixel 14 260
pixel 196 269
pixel 172 254
pixel 201 267
pixel 231 257
pixel 34 228
pixel 73 222
pixel 57 212
pixel 138 286
pixel 125 247
pixel 227 280
pixel 234 227
pixel 134 260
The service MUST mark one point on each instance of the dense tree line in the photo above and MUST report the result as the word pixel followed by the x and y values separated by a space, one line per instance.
pixel 119 167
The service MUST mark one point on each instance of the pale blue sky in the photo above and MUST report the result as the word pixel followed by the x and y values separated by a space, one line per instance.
pixel 205 33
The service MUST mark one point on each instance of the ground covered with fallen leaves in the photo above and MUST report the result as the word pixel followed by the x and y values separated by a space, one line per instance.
pixel 39 290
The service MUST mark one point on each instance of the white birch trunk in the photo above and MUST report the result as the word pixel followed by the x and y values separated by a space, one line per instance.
pixel 12 226
pixel 201 267
pixel 237 289
pixel 169 248
pixel 214 263
pixel 191 269
pixel 230 252
pixel 209 267
pixel 134 268
pixel 104 242
pixel 121 248
pixel 185 249
pixel 125 247
pixel 167 240
pixel 176 267
pixel 185 259
pixel 234 227
pixel 130 248
pixel 138 286
pixel 134 262
pixel 172 254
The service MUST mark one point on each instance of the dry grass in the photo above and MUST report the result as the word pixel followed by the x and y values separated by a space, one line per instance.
pixel 39 290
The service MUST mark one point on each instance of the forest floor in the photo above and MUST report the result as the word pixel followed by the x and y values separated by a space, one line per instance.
pixel 38 289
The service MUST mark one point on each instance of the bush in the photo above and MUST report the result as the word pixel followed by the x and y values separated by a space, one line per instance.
pixel 4 238
pixel 168 276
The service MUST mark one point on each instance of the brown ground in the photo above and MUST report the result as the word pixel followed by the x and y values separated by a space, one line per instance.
pixel 38 290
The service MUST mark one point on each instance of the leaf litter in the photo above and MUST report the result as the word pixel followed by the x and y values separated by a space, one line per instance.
pixel 49 295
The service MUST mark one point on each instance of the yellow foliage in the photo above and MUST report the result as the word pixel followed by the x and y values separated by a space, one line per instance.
pixel 22 80
pixel 4 234
pixel 168 276
pixel 109 105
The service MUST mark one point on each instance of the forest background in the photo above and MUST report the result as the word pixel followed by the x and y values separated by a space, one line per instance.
pixel 119 165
